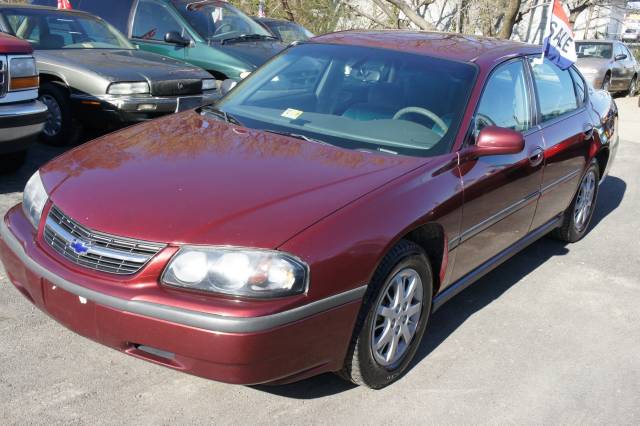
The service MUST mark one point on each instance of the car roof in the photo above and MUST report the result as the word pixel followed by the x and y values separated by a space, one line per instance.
pixel 452 46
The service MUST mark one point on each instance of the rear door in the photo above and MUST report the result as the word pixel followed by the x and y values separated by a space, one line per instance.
pixel 501 191
pixel 565 123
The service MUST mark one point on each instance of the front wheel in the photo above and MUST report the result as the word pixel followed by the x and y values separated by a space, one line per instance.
pixel 606 83
pixel 393 318
pixel 60 128
pixel 578 216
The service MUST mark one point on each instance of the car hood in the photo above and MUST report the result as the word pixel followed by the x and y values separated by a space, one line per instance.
pixel 187 178
pixel 119 64
pixel 253 53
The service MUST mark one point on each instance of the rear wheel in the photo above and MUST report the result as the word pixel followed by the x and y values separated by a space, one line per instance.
pixel 11 162
pixel 633 87
pixel 59 129
pixel 578 216
pixel 393 318
pixel 606 83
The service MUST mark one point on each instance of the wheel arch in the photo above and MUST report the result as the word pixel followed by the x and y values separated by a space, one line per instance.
pixel 602 157
pixel 53 78
pixel 431 238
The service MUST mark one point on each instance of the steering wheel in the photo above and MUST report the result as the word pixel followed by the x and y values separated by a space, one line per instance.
pixel 227 27
pixel 423 111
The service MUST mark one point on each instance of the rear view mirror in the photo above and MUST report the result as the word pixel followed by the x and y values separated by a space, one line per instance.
pixel 174 37
pixel 621 57
pixel 493 140
pixel 227 85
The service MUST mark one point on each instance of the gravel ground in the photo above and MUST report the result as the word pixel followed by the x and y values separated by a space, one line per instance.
pixel 550 337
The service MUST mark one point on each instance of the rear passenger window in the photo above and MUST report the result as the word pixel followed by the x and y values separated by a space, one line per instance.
pixel 581 91
pixel 556 92
pixel 505 100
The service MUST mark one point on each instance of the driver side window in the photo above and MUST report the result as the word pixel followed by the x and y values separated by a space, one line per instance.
pixel 505 100
pixel 153 20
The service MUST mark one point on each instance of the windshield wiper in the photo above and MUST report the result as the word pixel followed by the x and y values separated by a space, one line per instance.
pixel 218 113
pixel 247 37
pixel 297 136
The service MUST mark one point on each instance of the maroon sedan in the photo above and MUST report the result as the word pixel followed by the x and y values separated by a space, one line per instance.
pixel 314 218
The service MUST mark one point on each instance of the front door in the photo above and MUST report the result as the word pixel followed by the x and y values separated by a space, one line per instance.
pixel 501 191
pixel 152 20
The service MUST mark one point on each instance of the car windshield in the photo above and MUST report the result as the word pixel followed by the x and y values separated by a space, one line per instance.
pixel 356 97
pixel 48 29
pixel 219 21
pixel 594 50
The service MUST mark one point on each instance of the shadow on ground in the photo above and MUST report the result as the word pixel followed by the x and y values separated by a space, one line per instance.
pixel 453 314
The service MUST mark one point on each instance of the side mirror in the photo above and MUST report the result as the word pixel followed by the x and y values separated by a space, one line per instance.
pixel 227 85
pixel 621 57
pixel 493 140
pixel 174 37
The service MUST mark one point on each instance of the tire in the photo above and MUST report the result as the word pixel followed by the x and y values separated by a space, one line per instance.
pixel 606 83
pixel 59 129
pixel 403 264
pixel 633 87
pixel 575 227
pixel 10 163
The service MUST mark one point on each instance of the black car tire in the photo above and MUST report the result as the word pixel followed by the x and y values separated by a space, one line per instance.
pixel 606 83
pixel 360 365
pixel 633 87
pixel 569 231
pixel 10 163
pixel 68 133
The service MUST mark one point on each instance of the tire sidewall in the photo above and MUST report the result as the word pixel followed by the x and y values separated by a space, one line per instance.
pixel 576 234
pixel 375 375
pixel 59 95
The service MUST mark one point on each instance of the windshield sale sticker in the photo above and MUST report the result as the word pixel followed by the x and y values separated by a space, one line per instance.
pixel 292 114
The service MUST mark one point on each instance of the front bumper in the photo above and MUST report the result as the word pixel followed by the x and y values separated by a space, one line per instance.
pixel 19 124
pixel 134 109
pixel 594 80
pixel 279 347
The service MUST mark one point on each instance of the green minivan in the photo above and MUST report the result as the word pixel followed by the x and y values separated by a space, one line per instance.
pixel 211 34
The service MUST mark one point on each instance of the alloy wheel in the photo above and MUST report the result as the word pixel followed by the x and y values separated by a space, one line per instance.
pixel 397 316
pixel 606 85
pixel 584 203
pixel 633 88
pixel 53 125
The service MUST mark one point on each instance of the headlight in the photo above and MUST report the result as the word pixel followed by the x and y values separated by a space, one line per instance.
pixel 128 88
pixel 33 199
pixel 237 272
pixel 209 84
pixel 23 74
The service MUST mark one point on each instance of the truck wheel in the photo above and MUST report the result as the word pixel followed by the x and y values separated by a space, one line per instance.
pixel 578 216
pixel 59 129
pixel 11 162
pixel 392 320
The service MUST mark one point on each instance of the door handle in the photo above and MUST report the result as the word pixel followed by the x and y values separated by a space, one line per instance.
pixel 588 131
pixel 536 157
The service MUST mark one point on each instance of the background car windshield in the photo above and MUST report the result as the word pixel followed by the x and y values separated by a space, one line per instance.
pixel 46 30
pixel 357 97
pixel 594 50
pixel 215 20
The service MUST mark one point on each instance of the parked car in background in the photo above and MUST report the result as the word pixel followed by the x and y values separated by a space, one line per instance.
pixel 213 35
pixel 90 73
pixel 608 65
pixel 22 116
pixel 312 219
pixel 285 31
pixel 631 35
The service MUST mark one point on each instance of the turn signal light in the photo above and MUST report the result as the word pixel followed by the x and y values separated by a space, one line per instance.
pixel 23 83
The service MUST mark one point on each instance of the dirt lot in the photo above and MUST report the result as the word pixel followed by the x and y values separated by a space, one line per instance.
pixel 553 336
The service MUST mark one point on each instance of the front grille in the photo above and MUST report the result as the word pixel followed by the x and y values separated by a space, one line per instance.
pixel 176 87
pixel 95 250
